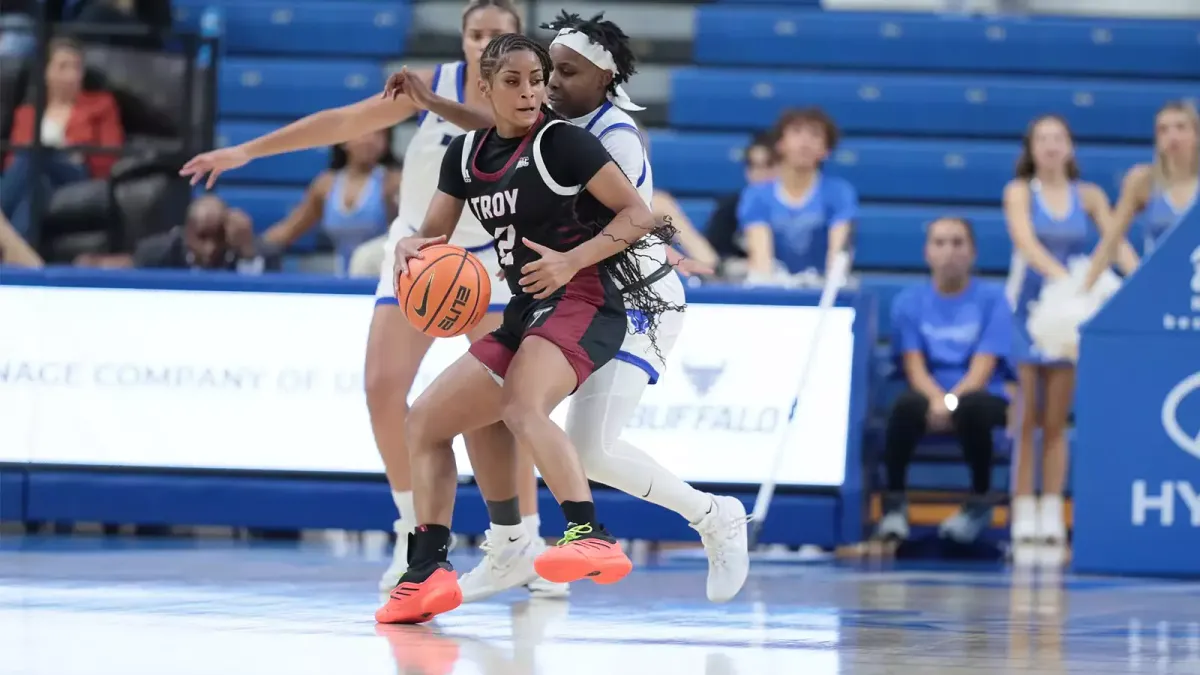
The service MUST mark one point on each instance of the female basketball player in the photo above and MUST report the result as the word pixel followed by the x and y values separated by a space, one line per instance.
pixel 1049 213
pixel 1164 191
pixel 570 231
pixel 394 349
pixel 591 60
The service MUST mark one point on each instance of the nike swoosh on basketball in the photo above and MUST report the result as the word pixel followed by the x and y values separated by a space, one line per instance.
pixel 420 310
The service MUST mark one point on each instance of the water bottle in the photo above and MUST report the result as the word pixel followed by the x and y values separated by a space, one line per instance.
pixel 211 26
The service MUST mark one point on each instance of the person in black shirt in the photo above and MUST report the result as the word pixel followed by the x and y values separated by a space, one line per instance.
pixel 722 228
pixel 567 225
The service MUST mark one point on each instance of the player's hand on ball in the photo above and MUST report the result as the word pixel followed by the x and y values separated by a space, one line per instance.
pixel 547 274
pixel 409 248
pixel 213 164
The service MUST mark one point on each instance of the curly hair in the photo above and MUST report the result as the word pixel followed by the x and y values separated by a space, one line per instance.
pixel 606 34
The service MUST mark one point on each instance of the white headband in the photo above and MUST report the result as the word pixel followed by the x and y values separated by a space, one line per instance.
pixel 601 57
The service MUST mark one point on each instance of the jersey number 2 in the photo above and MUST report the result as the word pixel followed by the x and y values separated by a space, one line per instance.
pixel 506 239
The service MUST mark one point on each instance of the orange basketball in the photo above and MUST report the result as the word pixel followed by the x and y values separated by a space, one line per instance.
pixel 446 292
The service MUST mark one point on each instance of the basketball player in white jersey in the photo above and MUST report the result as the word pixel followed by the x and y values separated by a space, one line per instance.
pixel 592 58
pixel 394 348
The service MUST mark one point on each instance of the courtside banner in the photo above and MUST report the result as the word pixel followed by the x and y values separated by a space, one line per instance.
pixel 274 382
pixel 1136 472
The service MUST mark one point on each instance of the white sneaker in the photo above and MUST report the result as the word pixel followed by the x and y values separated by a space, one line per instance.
pixel 1051 528
pixel 723 532
pixel 399 565
pixel 507 563
pixel 539 587
pixel 893 526
pixel 1023 519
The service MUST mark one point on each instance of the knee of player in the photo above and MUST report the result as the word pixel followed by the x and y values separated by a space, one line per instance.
pixel 383 383
pixel 418 425
pixel 591 443
pixel 520 416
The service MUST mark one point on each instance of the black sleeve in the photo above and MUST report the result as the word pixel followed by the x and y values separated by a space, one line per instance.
pixel 572 155
pixel 723 226
pixel 451 181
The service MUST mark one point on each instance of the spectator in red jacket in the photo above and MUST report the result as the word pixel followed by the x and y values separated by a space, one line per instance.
pixel 73 117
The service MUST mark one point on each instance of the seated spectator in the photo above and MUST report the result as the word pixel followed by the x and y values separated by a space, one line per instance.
pixel 214 237
pixel 17 34
pixel 354 201
pixel 13 249
pixel 73 117
pixel 722 230
pixel 701 259
pixel 801 218
pixel 694 245
pixel 951 340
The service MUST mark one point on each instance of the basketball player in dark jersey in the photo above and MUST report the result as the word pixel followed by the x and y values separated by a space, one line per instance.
pixel 568 226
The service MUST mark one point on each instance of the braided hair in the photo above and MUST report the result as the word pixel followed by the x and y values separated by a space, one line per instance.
pixel 501 46
pixel 624 267
pixel 606 34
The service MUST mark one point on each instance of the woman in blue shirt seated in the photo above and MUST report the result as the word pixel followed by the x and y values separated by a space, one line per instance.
pixel 802 218
pixel 354 201
pixel 951 338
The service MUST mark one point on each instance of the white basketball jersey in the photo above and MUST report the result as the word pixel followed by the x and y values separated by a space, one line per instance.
pixel 423 162
pixel 620 135
pixel 608 120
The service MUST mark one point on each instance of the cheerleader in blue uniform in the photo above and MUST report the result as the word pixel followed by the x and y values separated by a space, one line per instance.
pixel 1162 193
pixel 1050 214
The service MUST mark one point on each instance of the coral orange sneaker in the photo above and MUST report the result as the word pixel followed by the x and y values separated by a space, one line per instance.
pixel 421 595
pixel 584 552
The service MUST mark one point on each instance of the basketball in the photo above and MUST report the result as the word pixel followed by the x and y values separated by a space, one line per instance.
pixel 446 292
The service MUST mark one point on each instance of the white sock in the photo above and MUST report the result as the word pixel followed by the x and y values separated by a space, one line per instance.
pixel 629 469
pixel 404 505
pixel 510 532
pixel 603 406
pixel 533 524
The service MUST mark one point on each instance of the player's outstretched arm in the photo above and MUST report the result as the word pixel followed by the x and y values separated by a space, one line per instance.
pixel 320 129
pixel 415 87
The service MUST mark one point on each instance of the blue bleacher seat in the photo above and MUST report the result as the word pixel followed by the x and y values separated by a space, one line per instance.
pixel 893 237
pixel 944 105
pixel 264 88
pixel 345 28
pixel 929 171
pixel 795 37
pixel 295 169
pixel 267 206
